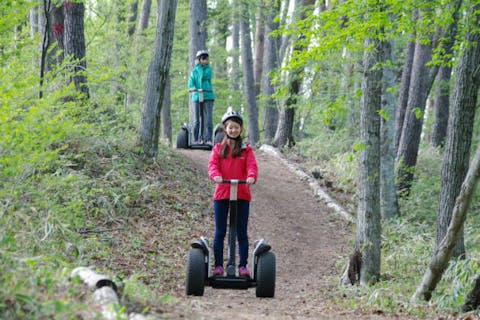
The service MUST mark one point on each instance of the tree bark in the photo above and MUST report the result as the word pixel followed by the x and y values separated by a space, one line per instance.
pixel 420 85
pixel 253 131
pixel 404 87
pixel 259 46
pixel 442 94
pixel 270 64
pixel 132 17
pixel 197 33
pixel 74 41
pixel 368 238
pixel 144 15
pixel 465 95
pixel 388 190
pixel 157 75
pixel 165 116
pixel 235 52
pixel 284 134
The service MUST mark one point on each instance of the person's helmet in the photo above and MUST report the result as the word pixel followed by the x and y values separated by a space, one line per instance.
pixel 201 53
pixel 232 114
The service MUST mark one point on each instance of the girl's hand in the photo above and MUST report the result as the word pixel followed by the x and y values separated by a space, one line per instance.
pixel 250 180
pixel 217 179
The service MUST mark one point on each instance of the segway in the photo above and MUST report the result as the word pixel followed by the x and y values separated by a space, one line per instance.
pixel 185 137
pixel 198 261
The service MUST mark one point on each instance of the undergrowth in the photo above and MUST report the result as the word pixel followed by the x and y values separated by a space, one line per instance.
pixel 407 241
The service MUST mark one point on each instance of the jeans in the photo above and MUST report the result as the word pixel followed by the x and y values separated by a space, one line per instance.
pixel 202 130
pixel 220 210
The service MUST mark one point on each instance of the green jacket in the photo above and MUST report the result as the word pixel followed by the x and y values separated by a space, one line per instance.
pixel 201 78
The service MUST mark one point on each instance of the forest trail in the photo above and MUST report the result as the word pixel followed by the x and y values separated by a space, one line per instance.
pixel 307 239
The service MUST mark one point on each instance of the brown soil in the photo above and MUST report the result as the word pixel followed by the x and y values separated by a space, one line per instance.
pixel 310 243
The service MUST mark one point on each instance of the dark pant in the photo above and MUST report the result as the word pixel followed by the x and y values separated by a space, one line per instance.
pixel 203 131
pixel 220 210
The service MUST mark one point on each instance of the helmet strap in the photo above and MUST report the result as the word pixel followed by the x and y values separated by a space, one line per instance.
pixel 234 139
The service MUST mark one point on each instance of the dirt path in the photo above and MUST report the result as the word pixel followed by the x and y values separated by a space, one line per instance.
pixel 307 239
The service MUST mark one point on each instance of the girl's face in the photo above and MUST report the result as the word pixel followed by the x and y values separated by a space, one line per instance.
pixel 233 129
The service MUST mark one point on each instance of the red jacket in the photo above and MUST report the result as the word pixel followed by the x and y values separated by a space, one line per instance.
pixel 241 168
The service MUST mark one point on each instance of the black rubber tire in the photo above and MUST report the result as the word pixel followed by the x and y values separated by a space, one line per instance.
pixel 195 272
pixel 218 136
pixel 182 139
pixel 265 275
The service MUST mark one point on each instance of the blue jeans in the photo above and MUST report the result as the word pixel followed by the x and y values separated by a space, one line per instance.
pixel 220 210
pixel 203 131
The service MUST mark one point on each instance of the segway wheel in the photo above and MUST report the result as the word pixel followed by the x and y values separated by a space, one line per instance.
pixel 218 136
pixel 182 139
pixel 195 272
pixel 266 275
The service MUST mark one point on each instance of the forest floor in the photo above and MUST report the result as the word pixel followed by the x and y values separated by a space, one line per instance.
pixel 310 242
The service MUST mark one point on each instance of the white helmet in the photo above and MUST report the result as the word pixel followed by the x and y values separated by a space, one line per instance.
pixel 201 53
pixel 230 114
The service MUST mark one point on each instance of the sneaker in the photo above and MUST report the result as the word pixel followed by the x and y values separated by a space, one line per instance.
pixel 243 272
pixel 218 271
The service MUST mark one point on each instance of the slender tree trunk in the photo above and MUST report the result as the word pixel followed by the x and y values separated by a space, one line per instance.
pixel 404 87
pixel 166 117
pixel 441 106
pixel 388 190
pixel 74 41
pixel 368 239
pixel 420 85
pixel 197 39
pixel 259 46
pixel 132 17
pixel 157 75
pixel 235 51
pixel 442 94
pixel 58 32
pixel 44 23
pixel 144 15
pixel 253 131
pixel 284 134
pixel 270 64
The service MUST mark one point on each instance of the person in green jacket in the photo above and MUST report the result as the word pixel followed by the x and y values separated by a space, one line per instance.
pixel 200 84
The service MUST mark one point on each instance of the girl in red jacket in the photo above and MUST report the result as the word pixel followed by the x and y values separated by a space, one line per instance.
pixel 232 159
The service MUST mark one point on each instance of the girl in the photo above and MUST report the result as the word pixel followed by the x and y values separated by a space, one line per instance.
pixel 232 159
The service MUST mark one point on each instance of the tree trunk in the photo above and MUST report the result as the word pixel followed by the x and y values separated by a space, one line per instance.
pixel 58 32
pixel 197 38
pixel 144 15
pixel 166 117
pixel 442 94
pixel 270 64
pixel 259 46
pixel 157 75
pixel 74 41
pixel 420 84
pixel 284 134
pixel 368 239
pixel 441 106
pixel 235 52
pixel 457 150
pixel 464 97
pixel 253 132
pixel 388 190
pixel 132 17
pixel 404 87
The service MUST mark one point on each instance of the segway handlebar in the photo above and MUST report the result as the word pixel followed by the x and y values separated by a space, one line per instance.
pixel 233 181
